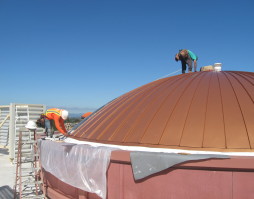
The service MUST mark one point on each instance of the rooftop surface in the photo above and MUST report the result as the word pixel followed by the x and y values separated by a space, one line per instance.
pixel 7 173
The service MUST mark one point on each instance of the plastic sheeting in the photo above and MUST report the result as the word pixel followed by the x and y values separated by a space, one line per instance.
pixel 148 163
pixel 82 166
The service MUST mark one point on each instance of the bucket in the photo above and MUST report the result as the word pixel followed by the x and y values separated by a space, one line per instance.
pixel 217 66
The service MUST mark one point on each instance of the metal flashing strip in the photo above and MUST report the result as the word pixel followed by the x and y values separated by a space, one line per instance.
pixel 149 149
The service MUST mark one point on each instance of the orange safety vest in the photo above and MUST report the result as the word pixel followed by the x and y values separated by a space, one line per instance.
pixel 50 112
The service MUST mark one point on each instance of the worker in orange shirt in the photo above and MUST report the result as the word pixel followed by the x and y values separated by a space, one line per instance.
pixel 85 115
pixel 58 116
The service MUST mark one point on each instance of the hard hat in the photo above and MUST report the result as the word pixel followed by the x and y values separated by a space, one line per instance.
pixel 31 125
pixel 64 114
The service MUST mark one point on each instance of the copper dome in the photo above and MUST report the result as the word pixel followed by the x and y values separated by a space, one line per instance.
pixel 196 111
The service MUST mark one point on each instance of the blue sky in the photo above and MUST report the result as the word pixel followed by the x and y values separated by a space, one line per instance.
pixel 79 55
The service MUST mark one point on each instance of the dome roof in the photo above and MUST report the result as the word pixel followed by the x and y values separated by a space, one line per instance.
pixel 196 111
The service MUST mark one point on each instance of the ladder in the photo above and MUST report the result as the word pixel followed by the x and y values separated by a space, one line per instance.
pixel 28 182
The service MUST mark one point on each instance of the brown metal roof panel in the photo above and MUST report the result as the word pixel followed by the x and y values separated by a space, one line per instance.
pixel 234 124
pixel 94 123
pixel 142 117
pixel 174 128
pixel 109 120
pixel 122 132
pixel 156 129
pixel 148 113
pixel 214 133
pixel 135 115
pixel 166 113
pixel 158 122
pixel 122 120
pixel 248 75
pixel 146 110
pixel 246 83
pixel 246 105
pixel 134 110
pixel 193 132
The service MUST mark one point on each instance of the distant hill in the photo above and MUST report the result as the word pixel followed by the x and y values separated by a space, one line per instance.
pixel 75 115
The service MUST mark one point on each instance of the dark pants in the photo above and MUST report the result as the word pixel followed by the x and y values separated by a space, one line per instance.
pixel 48 128
pixel 188 62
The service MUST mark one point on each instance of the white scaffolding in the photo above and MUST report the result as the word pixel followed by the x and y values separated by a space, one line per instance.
pixel 4 125
pixel 12 118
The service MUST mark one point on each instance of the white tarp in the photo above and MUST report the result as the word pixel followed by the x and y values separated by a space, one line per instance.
pixel 80 165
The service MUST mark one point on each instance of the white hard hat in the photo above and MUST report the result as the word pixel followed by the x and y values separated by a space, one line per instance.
pixel 31 125
pixel 64 114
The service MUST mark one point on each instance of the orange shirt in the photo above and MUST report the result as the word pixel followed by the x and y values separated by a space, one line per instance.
pixel 86 114
pixel 55 114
